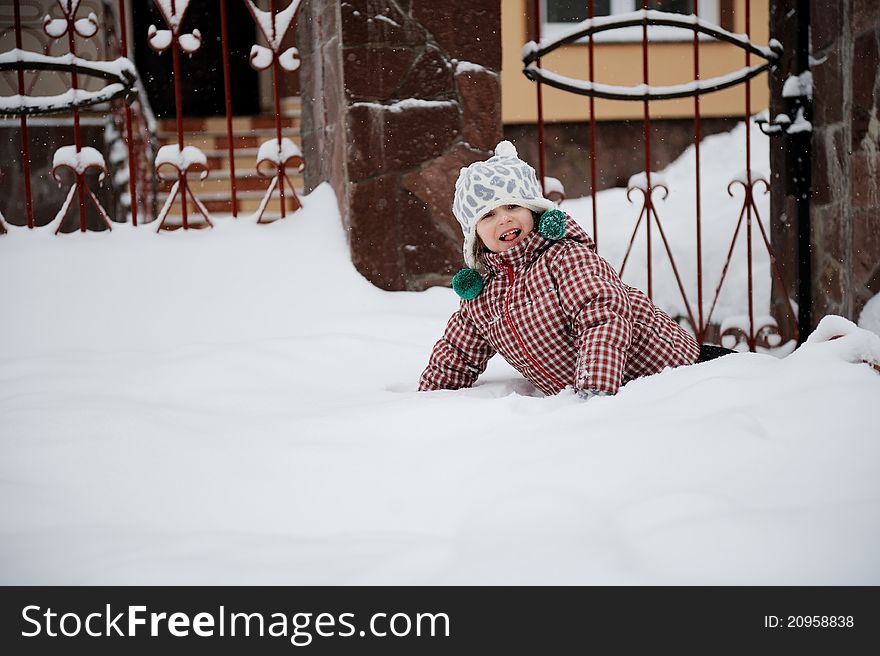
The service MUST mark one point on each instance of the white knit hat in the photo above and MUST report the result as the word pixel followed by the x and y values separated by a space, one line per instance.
pixel 503 179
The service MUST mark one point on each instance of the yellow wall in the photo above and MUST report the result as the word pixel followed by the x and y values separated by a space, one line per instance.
pixel 621 64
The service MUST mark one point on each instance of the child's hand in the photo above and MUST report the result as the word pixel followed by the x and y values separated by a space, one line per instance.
pixel 586 395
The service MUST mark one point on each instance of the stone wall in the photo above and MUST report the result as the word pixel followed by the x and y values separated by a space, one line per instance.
pixel 845 210
pixel 398 95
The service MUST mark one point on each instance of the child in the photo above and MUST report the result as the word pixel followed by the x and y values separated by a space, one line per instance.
pixel 537 293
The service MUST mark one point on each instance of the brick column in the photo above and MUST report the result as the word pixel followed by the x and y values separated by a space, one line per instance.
pixel 846 161
pixel 398 95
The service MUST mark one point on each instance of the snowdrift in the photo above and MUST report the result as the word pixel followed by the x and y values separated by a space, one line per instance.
pixel 237 406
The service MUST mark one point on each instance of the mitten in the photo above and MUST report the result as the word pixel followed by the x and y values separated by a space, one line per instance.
pixel 586 395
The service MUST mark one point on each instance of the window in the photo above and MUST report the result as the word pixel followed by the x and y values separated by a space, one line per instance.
pixel 560 15
pixel 573 11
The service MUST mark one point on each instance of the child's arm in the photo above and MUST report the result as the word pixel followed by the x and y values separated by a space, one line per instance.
pixel 458 358
pixel 597 302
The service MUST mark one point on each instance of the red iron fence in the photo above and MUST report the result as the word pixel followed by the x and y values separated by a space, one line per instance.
pixel 101 26
pixel 756 333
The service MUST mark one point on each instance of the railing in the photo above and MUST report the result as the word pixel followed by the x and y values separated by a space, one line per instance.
pixel 759 331
pixel 119 80
pixel 130 121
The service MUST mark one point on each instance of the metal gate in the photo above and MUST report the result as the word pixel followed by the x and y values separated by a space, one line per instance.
pixel 120 102
pixel 759 332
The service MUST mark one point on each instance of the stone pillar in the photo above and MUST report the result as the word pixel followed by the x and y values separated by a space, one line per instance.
pixel 398 95
pixel 846 155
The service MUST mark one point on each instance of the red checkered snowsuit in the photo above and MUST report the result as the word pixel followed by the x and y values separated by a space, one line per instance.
pixel 560 315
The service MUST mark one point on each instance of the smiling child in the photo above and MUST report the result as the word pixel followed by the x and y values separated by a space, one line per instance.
pixel 536 292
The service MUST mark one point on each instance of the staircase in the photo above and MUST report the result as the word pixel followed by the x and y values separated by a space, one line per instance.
pixel 215 192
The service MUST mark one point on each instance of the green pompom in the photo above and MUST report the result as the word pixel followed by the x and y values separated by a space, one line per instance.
pixel 552 224
pixel 467 283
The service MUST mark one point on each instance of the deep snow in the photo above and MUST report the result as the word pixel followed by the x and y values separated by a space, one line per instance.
pixel 237 406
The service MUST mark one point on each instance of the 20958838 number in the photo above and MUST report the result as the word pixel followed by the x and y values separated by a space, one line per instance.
pixel 809 621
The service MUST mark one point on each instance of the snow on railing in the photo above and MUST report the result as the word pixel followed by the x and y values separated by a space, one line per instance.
pixel 120 72
pixel 532 52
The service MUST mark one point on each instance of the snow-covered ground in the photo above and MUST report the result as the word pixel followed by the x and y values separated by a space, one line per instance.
pixel 237 406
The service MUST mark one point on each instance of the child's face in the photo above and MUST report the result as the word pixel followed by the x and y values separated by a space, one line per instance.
pixel 505 227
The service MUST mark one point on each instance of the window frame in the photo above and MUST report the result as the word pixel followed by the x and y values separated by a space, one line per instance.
pixel 710 10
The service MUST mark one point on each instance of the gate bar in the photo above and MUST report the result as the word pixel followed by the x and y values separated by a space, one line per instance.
pixel 77 136
pixel 25 140
pixel 593 189
pixel 701 326
pixel 748 115
pixel 540 96
pixel 178 108
pixel 129 139
pixel 804 188
pixel 227 88
pixel 646 123
pixel 276 87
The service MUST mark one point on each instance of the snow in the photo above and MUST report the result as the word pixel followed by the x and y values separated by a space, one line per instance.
pixel 640 181
pixel 406 103
pixel 385 19
pixel 159 39
pixel 121 69
pixel 289 60
pixel 800 124
pixel 80 160
pixel 87 27
pixel 798 86
pixel 190 42
pixel 869 319
pixel 237 406
pixel 182 159
pixel 553 186
pixel 17 104
pixel 261 57
pixel 273 152
pixel 173 11
pixel 55 27
pixel 783 120
pixel 274 27
pixel 470 68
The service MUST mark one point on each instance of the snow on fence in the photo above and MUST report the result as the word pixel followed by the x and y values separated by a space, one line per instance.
pixel 753 329
pixel 136 126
